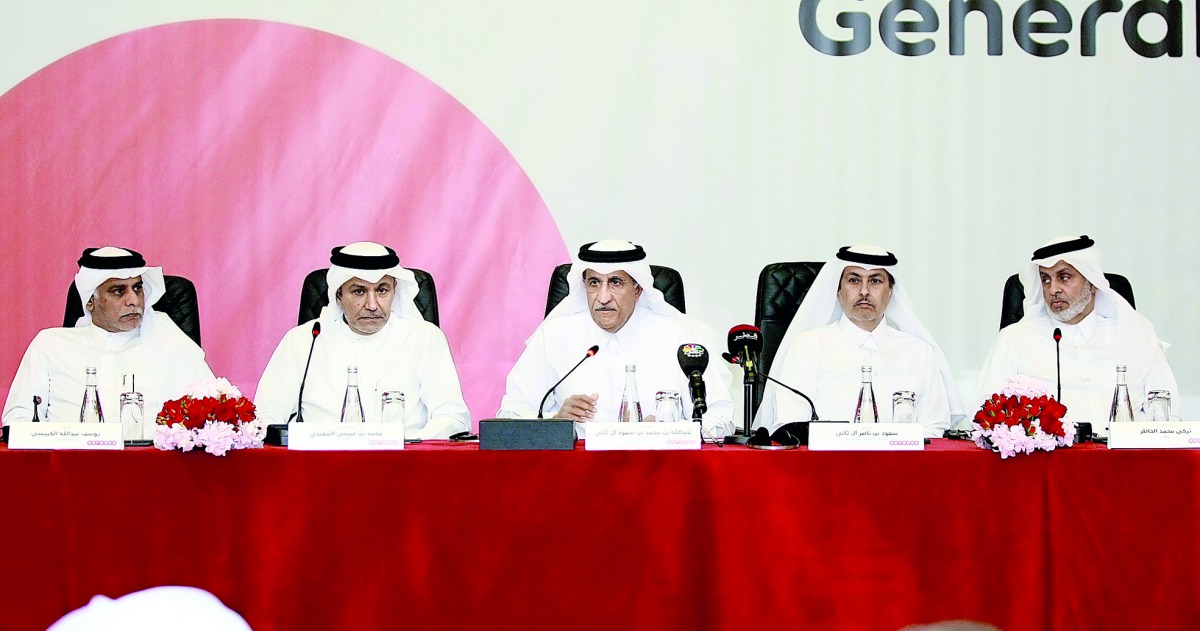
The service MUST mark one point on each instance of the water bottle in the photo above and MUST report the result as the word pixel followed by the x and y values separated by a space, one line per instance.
pixel 866 411
pixel 90 411
pixel 631 408
pixel 352 407
pixel 1122 409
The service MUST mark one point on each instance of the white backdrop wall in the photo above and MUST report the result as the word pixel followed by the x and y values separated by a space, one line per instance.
pixel 716 136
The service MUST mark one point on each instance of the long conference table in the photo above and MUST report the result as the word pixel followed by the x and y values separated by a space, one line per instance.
pixel 447 536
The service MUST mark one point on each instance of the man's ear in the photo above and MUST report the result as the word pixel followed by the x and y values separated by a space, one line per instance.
pixel 88 306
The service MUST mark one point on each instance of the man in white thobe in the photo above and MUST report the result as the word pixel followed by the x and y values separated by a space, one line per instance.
pixel 612 304
pixel 121 335
pixel 372 324
pixel 843 325
pixel 1065 289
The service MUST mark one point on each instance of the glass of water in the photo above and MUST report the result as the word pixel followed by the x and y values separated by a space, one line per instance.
pixel 392 404
pixel 133 412
pixel 668 407
pixel 1159 404
pixel 904 406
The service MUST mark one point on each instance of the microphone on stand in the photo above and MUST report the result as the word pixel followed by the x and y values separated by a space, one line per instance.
pixel 316 330
pixel 1058 361
pixel 745 342
pixel 590 352
pixel 813 406
pixel 693 360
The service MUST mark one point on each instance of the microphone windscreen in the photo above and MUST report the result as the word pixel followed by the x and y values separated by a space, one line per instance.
pixel 733 359
pixel 1057 334
pixel 593 350
pixel 692 358
pixel 316 328
pixel 745 336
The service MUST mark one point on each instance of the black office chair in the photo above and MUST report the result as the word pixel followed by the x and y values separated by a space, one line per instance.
pixel 314 295
pixel 1012 307
pixel 666 280
pixel 781 289
pixel 178 301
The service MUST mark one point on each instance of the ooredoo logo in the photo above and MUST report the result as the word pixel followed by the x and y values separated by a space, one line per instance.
pixel 1034 27
pixel 101 443
pixel 904 443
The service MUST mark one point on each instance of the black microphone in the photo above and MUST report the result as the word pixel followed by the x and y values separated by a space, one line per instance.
pixel 316 330
pixel 813 406
pixel 1058 361
pixel 693 360
pixel 746 342
pixel 590 352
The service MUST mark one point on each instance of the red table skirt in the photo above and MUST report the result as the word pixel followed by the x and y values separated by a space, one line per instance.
pixel 448 536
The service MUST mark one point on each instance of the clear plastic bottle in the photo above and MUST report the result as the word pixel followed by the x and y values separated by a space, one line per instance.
pixel 352 407
pixel 90 411
pixel 867 410
pixel 1122 409
pixel 631 407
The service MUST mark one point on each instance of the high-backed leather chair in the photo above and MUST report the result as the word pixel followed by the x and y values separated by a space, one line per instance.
pixel 1012 307
pixel 178 302
pixel 666 280
pixel 781 288
pixel 314 295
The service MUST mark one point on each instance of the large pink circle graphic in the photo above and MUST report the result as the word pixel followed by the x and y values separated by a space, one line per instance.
pixel 237 153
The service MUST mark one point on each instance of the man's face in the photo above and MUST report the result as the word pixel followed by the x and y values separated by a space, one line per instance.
pixel 117 304
pixel 864 295
pixel 1069 296
pixel 611 298
pixel 367 305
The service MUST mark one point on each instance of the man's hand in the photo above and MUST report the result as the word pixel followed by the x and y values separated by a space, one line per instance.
pixel 579 407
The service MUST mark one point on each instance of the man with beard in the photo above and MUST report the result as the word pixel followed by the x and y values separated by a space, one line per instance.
pixel 1065 289
pixel 612 304
pixel 841 327
pixel 371 324
pixel 121 336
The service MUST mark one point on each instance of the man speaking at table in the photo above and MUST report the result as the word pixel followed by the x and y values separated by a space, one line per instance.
pixel 612 304
pixel 1065 290
pixel 120 335
pixel 843 325
pixel 372 324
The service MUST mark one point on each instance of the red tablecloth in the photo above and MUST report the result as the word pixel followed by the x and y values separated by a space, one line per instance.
pixel 448 536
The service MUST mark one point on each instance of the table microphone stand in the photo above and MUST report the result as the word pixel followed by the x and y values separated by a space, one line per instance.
pixel 749 389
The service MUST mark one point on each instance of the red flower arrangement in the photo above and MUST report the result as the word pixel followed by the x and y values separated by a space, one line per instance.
pixel 1022 418
pixel 213 415
pixel 193 413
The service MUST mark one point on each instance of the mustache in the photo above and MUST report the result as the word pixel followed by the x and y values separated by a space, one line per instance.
pixel 602 308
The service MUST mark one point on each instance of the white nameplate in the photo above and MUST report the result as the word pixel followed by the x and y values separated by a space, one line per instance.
pixel 642 436
pixel 1143 435
pixel 866 437
pixel 29 435
pixel 345 436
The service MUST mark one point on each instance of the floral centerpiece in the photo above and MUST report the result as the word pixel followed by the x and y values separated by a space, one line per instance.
pixel 213 415
pixel 1022 418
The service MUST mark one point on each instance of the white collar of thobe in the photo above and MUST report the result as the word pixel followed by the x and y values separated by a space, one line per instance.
pixel 869 340
pixel 626 336
pixel 1082 332
pixel 109 340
